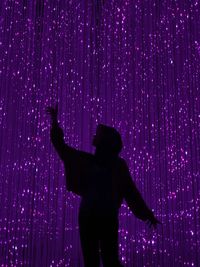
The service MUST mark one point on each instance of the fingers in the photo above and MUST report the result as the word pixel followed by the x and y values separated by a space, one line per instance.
pixel 157 221
pixel 149 223
pixel 153 223
pixel 52 110
pixel 49 109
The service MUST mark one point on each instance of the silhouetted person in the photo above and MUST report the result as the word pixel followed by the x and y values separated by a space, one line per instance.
pixel 103 181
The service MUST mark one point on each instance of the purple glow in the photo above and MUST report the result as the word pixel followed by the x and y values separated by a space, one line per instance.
pixel 134 65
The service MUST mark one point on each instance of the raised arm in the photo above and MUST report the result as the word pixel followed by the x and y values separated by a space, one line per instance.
pixel 57 139
pixel 135 200
pixel 76 162
pixel 57 135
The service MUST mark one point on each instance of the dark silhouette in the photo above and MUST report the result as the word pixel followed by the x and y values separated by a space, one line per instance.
pixel 103 181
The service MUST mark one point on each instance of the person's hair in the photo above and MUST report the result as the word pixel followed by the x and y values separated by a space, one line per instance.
pixel 110 139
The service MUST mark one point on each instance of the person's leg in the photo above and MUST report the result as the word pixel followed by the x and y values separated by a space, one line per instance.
pixel 109 243
pixel 89 240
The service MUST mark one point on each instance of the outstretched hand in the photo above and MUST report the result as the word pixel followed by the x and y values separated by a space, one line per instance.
pixel 53 112
pixel 153 222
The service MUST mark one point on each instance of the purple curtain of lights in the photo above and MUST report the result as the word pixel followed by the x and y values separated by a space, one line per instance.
pixel 134 65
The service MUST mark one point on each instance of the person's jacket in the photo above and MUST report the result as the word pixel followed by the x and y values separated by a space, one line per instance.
pixel 77 163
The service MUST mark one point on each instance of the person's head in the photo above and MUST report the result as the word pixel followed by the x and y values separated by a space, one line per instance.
pixel 107 139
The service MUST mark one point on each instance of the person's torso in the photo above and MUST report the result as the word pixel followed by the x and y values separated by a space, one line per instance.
pixel 101 189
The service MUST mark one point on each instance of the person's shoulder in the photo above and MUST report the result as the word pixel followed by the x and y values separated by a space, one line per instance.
pixel 124 166
pixel 122 161
pixel 76 153
pixel 85 155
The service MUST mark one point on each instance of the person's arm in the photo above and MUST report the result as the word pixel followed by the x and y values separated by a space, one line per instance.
pixel 73 159
pixel 134 198
pixel 57 136
pixel 57 139
pixel 135 201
